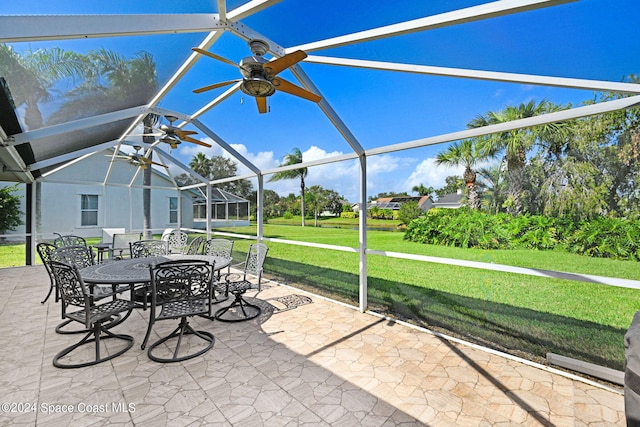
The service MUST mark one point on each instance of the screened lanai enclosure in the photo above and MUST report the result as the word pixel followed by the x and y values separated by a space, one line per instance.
pixel 117 99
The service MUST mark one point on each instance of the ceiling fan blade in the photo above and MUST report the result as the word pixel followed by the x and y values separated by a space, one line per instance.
pixel 274 67
pixel 195 141
pixel 214 56
pixel 184 133
pixel 215 86
pixel 157 164
pixel 288 87
pixel 262 104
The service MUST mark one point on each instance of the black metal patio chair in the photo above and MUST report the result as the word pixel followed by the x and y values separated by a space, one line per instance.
pixel 238 284
pixel 148 248
pixel 194 246
pixel 44 251
pixel 94 316
pixel 179 290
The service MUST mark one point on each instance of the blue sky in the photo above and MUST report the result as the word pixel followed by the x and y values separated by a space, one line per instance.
pixel 592 39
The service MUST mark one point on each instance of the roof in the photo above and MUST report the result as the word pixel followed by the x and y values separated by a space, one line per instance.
pixel 400 48
pixel 450 199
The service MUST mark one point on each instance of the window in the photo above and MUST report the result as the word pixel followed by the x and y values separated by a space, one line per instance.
pixel 173 210
pixel 89 209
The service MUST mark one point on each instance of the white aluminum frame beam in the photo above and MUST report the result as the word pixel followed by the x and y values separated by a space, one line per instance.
pixel 328 110
pixel 63 27
pixel 574 113
pixel 72 155
pixel 102 119
pixel 461 16
pixel 563 82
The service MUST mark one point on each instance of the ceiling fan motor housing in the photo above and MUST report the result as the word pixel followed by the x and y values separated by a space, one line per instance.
pixel 256 82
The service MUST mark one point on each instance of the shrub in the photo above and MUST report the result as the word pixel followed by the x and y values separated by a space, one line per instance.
pixel 287 215
pixel 460 227
pixel 606 238
pixel 349 215
pixel 602 237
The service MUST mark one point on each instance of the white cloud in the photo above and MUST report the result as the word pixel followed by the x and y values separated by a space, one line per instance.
pixel 430 174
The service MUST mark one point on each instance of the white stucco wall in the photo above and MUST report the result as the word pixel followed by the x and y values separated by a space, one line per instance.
pixel 61 199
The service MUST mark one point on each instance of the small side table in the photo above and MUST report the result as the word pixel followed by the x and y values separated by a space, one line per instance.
pixel 102 248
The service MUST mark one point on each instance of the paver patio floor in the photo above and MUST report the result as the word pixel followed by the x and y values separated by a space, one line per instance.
pixel 317 363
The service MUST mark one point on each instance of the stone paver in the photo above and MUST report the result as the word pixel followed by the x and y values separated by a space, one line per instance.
pixel 317 364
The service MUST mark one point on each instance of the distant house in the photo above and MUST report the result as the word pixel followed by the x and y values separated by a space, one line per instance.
pixel 226 210
pixel 394 203
pixel 450 201
pixel 71 203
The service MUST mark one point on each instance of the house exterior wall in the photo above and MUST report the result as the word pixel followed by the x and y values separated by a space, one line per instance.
pixel 118 205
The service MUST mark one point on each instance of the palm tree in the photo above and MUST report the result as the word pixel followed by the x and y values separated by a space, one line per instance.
pixel 293 158
pixel 466 153
pixel 30 77
pixel 493 188
pixel 111 83
pixel 517 143
pixel 422 190
pixel 201 165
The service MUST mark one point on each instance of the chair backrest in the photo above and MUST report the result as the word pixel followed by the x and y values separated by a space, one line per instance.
pixel 177 241
pixel 255 259
pixel 182 281
pixel 194 246
pixel 44 251
pixel 72 289
pixel 69 240
pixel 166 232
pixel 218 247
pixel 78 256
pixel 108 233
pixel 147 248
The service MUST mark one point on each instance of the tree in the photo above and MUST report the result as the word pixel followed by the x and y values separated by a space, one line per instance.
pixel 466 153
pixel 271 204
pixel 214 168
pixel 293 158
pixel 422 190
pixel 515 144
pixel 453 184
pixel 409 211
pixel 493 188
pixel 201 165
pixel 317 198
pixel 32 76
pixel 10 215
pixel 388 194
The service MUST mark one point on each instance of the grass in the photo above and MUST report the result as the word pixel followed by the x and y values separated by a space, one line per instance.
pixel 524 315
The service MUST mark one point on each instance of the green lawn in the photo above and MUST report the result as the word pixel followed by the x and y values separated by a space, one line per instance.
pixel 524 315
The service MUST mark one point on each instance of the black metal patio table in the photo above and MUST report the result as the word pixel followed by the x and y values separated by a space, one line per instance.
pixel 136 270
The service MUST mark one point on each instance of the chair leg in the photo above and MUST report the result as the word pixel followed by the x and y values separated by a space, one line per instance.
pixel 183 329
pixel 242 304
pixel 49 294
pixel 93 336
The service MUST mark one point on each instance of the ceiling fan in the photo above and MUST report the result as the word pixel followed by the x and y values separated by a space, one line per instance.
pixel 137 159
pixel 259 76
pixel 173 135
